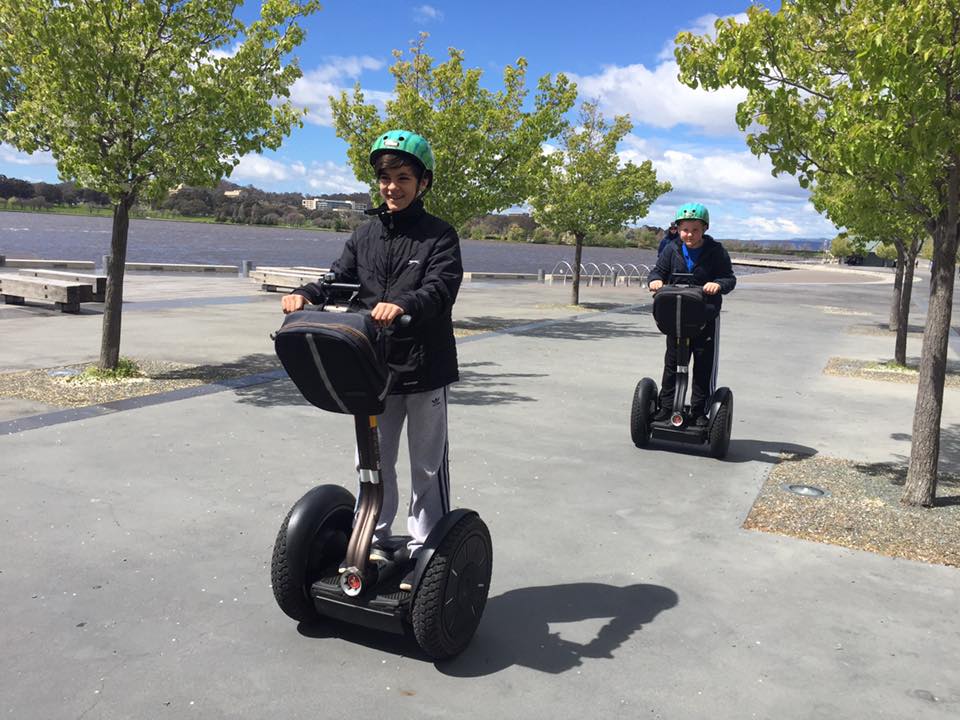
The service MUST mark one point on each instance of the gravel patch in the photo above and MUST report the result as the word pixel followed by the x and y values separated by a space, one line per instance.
pixel 53 386
pixel 873 370
pixel 861 511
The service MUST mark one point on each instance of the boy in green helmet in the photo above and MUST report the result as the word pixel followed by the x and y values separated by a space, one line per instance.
pixel 700 255
pixel 407 261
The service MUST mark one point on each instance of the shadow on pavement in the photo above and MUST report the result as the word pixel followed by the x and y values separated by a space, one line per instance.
pixel 769 451
pixel 486 388
pixel 584 328
pixel 949 447
pixel 515 629
pixel 741 451
pixel 271 394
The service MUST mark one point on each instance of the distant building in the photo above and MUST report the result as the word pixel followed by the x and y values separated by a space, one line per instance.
pixel 335 205
pixel 233 193
pixel 175 190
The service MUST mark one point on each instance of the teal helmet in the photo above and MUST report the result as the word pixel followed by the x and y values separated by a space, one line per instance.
pixel 403 142
pixel 693 211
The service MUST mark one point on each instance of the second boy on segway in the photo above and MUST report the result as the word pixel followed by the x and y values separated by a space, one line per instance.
pixel 699 255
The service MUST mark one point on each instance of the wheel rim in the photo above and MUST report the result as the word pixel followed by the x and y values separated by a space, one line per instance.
pixel 466 590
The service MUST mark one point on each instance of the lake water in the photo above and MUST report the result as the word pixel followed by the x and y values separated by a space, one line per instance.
pixel 79 237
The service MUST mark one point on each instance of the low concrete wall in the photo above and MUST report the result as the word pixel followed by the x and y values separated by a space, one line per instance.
pixel 180 267
pixel 65 264
pixel 470 276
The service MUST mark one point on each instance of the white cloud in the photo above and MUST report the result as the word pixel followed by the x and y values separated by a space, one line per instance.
pixel 258 168
pixel 9 154
pixel 426 13
pixel 313 90
pixel 657 98
pixel 716 173
pixel 228 52
pixel 703 25
pixel 745 200
pixel 329 177
pixel 317 178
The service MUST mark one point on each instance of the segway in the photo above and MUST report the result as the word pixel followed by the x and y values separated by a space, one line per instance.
pixel 321 565
pixel 680 310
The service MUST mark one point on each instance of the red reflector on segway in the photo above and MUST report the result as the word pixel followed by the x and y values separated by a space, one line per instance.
pixel 351 584
pixel 676 419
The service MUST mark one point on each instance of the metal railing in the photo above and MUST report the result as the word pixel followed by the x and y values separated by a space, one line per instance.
pixel 604 273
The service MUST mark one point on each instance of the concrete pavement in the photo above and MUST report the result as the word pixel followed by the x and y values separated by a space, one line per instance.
pixel 135 573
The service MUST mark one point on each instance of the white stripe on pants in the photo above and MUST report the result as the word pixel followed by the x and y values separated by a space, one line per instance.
pixel 426 416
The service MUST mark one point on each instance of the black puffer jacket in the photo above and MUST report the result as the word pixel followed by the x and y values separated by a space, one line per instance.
pixel 412 259
pixel 713 266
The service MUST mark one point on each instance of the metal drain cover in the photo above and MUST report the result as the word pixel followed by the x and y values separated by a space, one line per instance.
pixel 806 490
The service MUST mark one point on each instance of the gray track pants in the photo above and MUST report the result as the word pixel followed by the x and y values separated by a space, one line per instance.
pixel 426 417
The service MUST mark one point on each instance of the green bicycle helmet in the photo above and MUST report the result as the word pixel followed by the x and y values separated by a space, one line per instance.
pixel 693 211
pixel 403 142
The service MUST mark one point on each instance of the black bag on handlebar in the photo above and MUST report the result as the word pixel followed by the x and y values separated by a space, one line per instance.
pixel 681 311
pixel 334 358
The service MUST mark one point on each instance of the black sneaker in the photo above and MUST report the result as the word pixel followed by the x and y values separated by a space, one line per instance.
pixel 701 421
pixel 663 413
pixel 406 584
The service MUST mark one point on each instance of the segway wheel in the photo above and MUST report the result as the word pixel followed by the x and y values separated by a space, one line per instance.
pixel 721 428
pixel 642 412
pixel 453 592
pixel 312 539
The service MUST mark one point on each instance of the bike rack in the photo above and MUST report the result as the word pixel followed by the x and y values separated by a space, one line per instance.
pixel 605 272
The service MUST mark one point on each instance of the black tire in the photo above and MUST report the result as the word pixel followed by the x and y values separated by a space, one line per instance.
pixel 720 429
pixel 642 412
pixel 453 592
pixel 312 539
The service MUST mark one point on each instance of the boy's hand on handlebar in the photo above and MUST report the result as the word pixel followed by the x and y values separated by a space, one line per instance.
pixel 292 303
pixel 655 285
pixel 711 288
pixel 385 313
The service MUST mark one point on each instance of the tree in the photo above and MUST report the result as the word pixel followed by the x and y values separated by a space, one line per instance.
pixel 841 247
pixel 12 187
pixel 858 207
pixel 867 89
pixel 486 146
pixel 135 97
pixel 585 190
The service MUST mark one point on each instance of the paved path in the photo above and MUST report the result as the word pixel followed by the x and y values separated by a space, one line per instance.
pixel 134 579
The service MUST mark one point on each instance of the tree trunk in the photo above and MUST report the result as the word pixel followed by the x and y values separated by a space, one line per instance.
pixel 577 255
pixel 110 337
pixel 897 287
pixel 921 485
pixel 903 311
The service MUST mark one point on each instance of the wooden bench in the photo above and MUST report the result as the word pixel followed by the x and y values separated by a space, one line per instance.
pixel 280 279
pixel 97 282
pixel 66 295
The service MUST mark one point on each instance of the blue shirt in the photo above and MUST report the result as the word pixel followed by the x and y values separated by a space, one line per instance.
pixel 691 256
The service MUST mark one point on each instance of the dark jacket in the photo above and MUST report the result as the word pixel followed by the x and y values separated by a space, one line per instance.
pixel 411 259
pixel 713 266
pixel 666 240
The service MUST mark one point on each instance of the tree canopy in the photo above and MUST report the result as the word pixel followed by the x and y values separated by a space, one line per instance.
pixel 487 148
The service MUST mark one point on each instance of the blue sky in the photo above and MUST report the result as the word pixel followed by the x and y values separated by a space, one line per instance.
pixel 619 53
